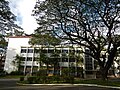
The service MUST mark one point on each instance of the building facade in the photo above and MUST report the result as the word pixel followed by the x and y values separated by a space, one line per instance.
pixel 59 57
pixel 67 56
pixel 14 47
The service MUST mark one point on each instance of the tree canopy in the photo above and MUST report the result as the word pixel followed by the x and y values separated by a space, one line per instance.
pixel 7 18
pixel 93 24
pixel 44 39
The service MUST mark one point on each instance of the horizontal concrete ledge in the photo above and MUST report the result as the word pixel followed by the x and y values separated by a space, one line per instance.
pixel 46 84
pixel 94 85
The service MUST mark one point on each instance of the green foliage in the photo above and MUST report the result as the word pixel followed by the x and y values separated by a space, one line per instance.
pixel 58 79
pixel 5 12
pixel 44 39
pixel 41 72
pixel 16 73
pixel 68 79
pixel 98 82
pixel 39 79
pixel 22 78
pixel 3 42
pixel 17 61
pixel 93 24
pixel 47 79
pixel 67 72
pixel 3 46
pixel 54 59
pixel 7 18
pixel 3 73
pixel 31 79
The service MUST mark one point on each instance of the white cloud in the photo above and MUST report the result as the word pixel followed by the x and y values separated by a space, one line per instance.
pixel 23 10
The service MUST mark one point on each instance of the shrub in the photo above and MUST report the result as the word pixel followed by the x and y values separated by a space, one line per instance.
pixel 38 80
pixel 3 73
pixel 21 78
pixel 41 72
pixel 47 79
pixel 16 73
pixel 31 79
pixel 42 79
pixel 68 79
pixel 65 72
pixel 56 79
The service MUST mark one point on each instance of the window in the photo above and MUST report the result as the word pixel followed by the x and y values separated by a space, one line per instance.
pixel 44 51
pixel 23 50
pixel 58 51
pixel 50 51
pixel 37 50
pixel 64 59
pixel 36 58
pixel 65 51
pixel 30 50
pixel 23 58
pixel 78 51
pixel 88 61
pixel 72 51
pixel 29 58
pixel 72 59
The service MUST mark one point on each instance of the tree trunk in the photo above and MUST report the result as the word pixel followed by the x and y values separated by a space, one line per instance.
pixel 47 70
pixel 104 73
pixel 107 65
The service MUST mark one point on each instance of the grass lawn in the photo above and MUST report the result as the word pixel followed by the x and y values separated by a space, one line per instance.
pixel 99 82
pixel 10 77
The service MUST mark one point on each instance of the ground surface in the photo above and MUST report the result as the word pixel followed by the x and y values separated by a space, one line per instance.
pixel 10 84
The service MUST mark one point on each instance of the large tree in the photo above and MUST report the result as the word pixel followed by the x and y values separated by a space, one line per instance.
pixel 93 24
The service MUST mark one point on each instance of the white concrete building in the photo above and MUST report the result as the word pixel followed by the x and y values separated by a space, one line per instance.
pixel 19 45
pixel 14 47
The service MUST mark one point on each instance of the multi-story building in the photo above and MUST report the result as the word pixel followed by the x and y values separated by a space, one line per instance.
pixel 68 56
pixel 64 56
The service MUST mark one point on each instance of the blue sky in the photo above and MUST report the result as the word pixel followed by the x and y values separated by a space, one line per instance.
pixel 23 10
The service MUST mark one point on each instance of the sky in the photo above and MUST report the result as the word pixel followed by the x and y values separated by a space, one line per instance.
pixel 23 10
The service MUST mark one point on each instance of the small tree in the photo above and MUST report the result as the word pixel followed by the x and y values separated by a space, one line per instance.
pixel 78 60
pixel 43 59
pixel 54 60
pixel 17 61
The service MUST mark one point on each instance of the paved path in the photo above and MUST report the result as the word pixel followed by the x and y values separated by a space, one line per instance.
pixel 10 84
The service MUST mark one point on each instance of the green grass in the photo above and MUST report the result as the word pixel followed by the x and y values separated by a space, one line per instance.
pixel 99 82
pixel 10 77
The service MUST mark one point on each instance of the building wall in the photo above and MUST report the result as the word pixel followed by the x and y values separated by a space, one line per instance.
pixel 30 54
pixel 17 45
pixel 14 47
